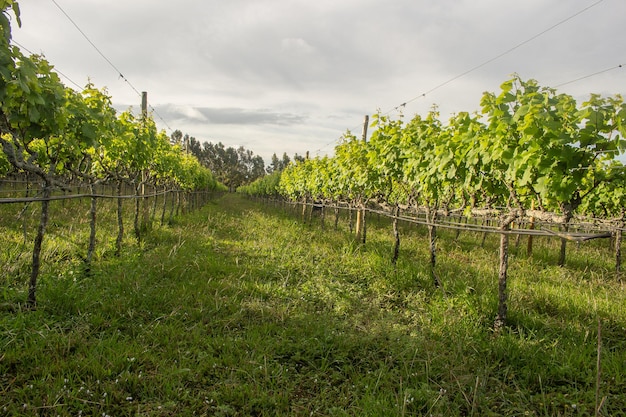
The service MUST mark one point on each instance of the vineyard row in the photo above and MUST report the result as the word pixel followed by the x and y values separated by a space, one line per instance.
pixel 531 152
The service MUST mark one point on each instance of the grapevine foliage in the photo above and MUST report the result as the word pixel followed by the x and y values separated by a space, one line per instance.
pixel 49 130
pixel 530 147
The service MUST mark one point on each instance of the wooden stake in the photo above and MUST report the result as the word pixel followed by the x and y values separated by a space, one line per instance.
pixel 145 221
pixel 357 227
pixel 361 228
pixel 502 294
pixel 41 230
pixel 365 123
pixel 120 221
pixel 599 402
pixel 396 235
pixel 529 245
pixel 618 245
pixel 502 275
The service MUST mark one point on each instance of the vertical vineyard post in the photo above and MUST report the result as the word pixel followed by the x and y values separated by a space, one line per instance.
pixel 144 203
pixel 357 226
pixel 154 203
pixel 396 235
pixel 92 224
pixel 120 219
pixel 502 275
pixel 568 213
pixel 164 208
pixel 618 244
pixel 431 220
pixel 41 230
pixel 531 226
pixel 363 230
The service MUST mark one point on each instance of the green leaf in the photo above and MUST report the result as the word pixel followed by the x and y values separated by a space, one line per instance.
pixel 16 11
pixel 89 132
pixel 34 115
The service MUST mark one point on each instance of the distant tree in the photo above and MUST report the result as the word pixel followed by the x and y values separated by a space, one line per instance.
pixel 234 174
pixel 195 148
pixel 185 143
pixel 277 164
pixel 257 169
pixel 232 167
pixel 274 164
pixel 286 161
pixel 212 156
pixel 298 158
pixel 177 137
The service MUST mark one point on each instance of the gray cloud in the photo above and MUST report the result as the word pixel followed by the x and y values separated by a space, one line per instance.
pixel 229 116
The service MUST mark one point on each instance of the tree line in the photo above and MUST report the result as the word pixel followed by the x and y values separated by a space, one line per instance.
pixel 233 167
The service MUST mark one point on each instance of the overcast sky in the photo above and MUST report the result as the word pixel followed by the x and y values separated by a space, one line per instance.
pixel 293 75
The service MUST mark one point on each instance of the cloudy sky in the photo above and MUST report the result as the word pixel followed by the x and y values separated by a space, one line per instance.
pixel 293 75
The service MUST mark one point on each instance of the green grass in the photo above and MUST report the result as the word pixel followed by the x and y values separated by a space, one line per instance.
pixel 240 309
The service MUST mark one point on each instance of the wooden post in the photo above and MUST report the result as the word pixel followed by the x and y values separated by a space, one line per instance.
pixel 145 211
pixel 529 245
pixel 365 123
pixel 618 245
pixel 120 219
pixel 41 230
pixel 144 103
pixel 350 217
pixel 396 235
pixel 568 213
pixel 431 219
pixel 362 227
pixel 599 402
pixel 357 227
pixel 502 275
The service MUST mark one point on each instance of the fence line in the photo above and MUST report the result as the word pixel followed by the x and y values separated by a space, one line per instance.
pixel 103 196
pixel 539 232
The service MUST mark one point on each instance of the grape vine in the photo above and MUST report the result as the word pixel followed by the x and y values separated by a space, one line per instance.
pixel 61 136
pixel 531 152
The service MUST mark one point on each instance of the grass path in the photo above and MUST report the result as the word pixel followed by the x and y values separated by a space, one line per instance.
pixel 241 310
